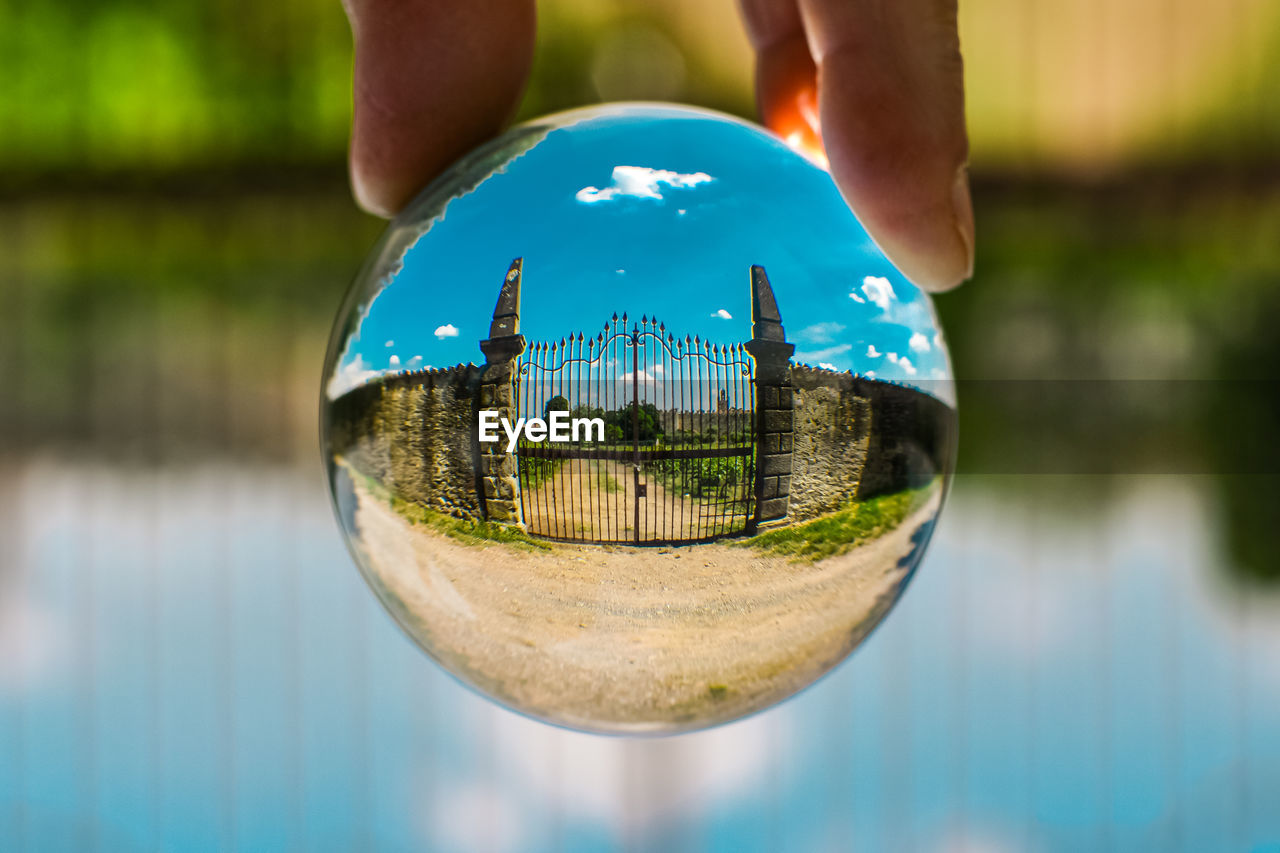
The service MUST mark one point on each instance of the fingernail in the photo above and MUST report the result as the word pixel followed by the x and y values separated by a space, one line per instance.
pixel 962 210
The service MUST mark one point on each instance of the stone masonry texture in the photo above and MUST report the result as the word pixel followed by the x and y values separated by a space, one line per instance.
pixel 857 437
pixel 416 434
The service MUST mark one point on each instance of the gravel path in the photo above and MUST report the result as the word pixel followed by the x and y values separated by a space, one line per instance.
pixel 594 500
pixel 627 638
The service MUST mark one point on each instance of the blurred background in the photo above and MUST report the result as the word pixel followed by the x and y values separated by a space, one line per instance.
pixel 1088 659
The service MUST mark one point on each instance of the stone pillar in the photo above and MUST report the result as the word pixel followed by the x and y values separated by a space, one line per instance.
pixel 499 474
pixel 775 405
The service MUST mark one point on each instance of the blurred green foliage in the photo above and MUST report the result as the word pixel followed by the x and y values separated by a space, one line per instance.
pixel 841 531
pixel 128 84
pixel 165 85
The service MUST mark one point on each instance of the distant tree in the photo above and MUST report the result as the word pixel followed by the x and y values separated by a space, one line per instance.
pixel 555 404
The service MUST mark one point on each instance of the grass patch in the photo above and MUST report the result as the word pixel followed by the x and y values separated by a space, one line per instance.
pixel 463 530
pixel 606 482
pixel 843 530
pixel 537 471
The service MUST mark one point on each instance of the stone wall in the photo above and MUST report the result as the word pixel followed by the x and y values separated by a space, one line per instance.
pixel 858 437
pixel 912 437
pixel 415 433
pixel 499 470
pixel 830 445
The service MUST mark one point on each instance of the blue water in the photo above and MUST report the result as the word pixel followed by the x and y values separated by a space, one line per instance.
pixel 189 661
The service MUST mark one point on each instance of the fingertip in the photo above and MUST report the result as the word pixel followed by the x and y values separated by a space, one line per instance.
pixel 931 249
pixel 787 92
pixel 369 195
pixel 962 208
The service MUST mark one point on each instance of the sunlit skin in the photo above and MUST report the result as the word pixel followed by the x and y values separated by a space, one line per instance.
pixel 787 94
pixel 796 121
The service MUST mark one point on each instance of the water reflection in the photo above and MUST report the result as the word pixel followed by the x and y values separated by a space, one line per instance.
pixel 190 663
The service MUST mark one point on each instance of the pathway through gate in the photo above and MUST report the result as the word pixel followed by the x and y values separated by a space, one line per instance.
pixel 677 463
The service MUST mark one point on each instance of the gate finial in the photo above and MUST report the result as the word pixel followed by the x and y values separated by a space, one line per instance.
pixel 766 322
pixel 506 314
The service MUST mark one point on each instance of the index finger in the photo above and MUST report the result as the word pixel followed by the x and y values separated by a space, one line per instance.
pixel 433 79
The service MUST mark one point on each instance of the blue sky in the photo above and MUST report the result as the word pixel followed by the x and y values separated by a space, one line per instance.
pixel 656 211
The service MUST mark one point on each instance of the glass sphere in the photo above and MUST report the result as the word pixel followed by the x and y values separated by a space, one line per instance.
pixel 631 426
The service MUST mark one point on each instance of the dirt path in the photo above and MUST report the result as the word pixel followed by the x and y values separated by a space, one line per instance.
pixel 626 637
pixel 594 500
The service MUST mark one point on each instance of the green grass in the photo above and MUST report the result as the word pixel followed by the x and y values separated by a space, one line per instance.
pixel 840 531
pixel 464 530
pixel 539 471
pixel 606 481
pixel 467 531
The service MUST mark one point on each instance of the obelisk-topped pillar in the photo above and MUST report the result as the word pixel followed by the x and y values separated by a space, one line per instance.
pixel 499 469
pixel 775 405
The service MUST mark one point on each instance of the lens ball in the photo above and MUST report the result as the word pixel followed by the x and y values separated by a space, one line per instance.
pixel 630 425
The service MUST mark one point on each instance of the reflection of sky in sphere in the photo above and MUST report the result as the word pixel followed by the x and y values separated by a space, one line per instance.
pixel 651 211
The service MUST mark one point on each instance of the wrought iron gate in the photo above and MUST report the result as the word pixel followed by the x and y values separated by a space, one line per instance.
pixel 676 462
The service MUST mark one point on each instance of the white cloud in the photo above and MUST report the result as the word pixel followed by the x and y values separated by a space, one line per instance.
pixel 903 362
pixel 448 330
pixel 574 777
pixel 640 182
pixel 353 374
pixel 872 352
pixel 878 290
pixel 978 839
pixel 821 333
pixel 826 365
pixel 723 315
pixel 415 361
pixel 919 343
pixel 853 294
pixel 32 645
pixel 825 354
pixel 477 816
pixel 389 344
pixel 937 340
pixel 870 374
pixel 395 361
pixel 681 211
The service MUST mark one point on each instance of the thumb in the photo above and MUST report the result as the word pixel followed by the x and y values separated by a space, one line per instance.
pixel 433 79
pixel 889 109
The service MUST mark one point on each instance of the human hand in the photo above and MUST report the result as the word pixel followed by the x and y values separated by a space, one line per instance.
pixel 882 79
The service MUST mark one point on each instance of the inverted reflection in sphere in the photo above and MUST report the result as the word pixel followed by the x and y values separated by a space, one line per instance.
pixel 631 426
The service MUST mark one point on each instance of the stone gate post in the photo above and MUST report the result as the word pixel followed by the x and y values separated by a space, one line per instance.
pixel 498 469
pixel 775 415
